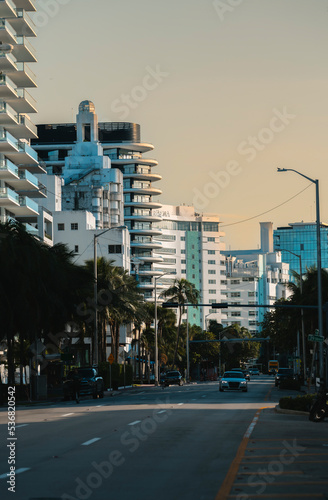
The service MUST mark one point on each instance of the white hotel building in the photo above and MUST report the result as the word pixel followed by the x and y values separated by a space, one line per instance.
pixel 19 186
pixel 192 246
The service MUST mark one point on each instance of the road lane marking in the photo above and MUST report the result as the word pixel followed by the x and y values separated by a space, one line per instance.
pixel 179 404
pixel 18 471
pixel 21 425
pixel 234 467
pixel 135 422
pixel 67 414
pixel 99 406
pixel 162 411
pixel 90 441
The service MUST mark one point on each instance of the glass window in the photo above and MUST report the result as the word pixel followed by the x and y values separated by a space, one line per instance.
pixel 61 227
pixel 74 226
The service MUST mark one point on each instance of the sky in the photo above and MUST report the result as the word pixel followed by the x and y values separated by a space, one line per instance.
pixel 227 91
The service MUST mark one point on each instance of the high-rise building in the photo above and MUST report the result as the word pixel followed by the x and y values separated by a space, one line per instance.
pixel 19 186
pixel 192 246
pixel 298 243
pixel 122 145
pixel 254 278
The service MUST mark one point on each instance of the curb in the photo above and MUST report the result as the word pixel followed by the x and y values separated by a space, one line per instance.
pixel 290 412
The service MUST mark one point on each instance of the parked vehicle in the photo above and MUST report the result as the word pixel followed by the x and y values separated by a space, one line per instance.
pixel 283 374
pixel 319 409
pixel 233 381
pixel 245 373
pixel 90 384
pixel 172 377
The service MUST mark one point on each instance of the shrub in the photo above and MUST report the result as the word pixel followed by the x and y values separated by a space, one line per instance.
pixel 299 403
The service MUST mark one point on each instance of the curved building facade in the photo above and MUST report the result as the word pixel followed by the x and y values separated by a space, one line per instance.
pixel 122 144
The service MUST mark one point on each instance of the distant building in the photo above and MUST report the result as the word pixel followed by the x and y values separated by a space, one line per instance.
pixel 301 239
pixel 192 246
pixel 254 277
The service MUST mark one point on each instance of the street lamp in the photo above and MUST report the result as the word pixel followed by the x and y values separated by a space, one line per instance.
pixel 320 319
pixel 302 317
pixel 95 236
pixel 156 327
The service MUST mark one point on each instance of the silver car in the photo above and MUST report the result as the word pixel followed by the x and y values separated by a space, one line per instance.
pixel 233 381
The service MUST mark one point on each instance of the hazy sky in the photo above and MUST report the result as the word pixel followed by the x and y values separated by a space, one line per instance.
pixel 226 91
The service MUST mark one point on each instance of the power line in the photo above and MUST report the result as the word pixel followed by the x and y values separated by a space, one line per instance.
pixel 267 211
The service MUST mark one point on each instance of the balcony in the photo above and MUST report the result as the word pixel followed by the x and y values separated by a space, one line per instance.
pixel 24 156
pixel 8 116
pixel 145 204
pixel 7 63
pixel 9 199
pixel 22 101
pixel 22 76
pixel 24 50
pixel 141 190
pixel 7 88
pixel 7 9
pixel 7 33
pixel 28 209
pixel 26 5
pixel 22 24
pixel 8 172
pixel 143 176
pixel 25 128
pixel 25 182
pixel 144 218
pixel 8 144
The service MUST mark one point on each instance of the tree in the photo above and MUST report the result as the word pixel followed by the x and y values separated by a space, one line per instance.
pixel 182 291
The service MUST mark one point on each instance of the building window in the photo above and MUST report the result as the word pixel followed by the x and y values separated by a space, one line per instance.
pixel 235 282
pixel 211 271
pixel 76 248
pixel 212 282
pixel 183 261
pixel 235 294
pixel 235 313
pixel 192 256
pixel 183 251
pixel 193 266
pixel 183 271
pixel 193 247
pixel 251 294
pixel 61 227
pixel 193 276
pixel 211 261
pixel 114 249
pixel 252 313
pixel 212 292
pixel 211 252
pixel 183 238
pixel 211 238
pixel 74 226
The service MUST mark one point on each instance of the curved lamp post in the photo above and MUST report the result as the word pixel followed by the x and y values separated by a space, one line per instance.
pixel 320 317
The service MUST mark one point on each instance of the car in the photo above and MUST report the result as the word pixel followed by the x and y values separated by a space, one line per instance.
pixel 233 381
pixel 244 372
pixel 172 377
pixel 90 384
pixel 283 374
pixel 254 371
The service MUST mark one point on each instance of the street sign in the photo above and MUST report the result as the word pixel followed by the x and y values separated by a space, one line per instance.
pixel 111 358
pixel 315 338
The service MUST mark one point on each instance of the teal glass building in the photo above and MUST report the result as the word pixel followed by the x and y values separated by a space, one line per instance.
pixel 301 239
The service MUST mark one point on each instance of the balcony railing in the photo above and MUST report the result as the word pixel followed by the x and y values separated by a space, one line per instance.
pixel 9 166
pixel 9 193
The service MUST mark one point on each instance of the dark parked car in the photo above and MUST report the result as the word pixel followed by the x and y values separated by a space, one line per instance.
pixel 283 374
pixel 233 381
pixel 90 384
pixel 172 377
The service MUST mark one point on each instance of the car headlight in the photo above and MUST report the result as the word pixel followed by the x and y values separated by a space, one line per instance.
pixel 224 382
pixel 243 382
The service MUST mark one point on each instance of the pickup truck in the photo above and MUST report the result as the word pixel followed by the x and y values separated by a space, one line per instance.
pixel 90 384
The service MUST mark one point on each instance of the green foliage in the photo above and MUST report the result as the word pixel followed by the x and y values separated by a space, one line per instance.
pixel 299 403
pixel 117 374
pixel 204 351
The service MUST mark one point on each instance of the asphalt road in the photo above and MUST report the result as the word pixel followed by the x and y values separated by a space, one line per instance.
pixel 176 443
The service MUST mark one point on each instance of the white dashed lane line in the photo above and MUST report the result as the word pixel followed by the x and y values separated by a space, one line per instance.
pixel 162 411
pixel 179 404
pixel 67 414
pixel 135 422
pixel 21 425
pixel 90 441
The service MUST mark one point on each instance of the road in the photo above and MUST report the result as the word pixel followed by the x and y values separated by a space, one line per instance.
pixel 176 443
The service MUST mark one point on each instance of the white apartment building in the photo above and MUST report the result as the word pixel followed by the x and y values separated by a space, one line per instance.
pixel 192 246
pixel 20 189
pixel 254 277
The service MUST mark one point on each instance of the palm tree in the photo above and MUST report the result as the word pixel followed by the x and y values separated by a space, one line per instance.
pixel 182 291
